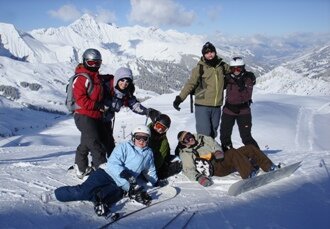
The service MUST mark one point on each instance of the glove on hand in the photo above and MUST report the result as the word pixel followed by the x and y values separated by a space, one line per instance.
pixel 98 106
pixel 177 102
pixel 153 114
pixel 218 155
pixel 205 181
pixel 126 174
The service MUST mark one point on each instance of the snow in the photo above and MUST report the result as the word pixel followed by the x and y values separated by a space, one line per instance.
pixel 288 128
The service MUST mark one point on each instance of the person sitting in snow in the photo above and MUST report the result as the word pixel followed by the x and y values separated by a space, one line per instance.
pixel 166 164
pixel 118 92
pixel 202 157
pixel 110 183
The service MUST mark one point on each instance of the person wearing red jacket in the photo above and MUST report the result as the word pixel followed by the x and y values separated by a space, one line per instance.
pixel 88 115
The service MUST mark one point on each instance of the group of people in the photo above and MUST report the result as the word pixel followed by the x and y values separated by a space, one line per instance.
pixel 116 170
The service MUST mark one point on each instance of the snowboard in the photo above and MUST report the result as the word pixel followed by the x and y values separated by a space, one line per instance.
pixel 126 208
pixel 261 180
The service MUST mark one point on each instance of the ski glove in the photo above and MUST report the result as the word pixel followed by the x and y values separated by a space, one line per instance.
pixel 218 155
pixel 153 114
pixel 204 180
pixel 98 106
pixel 177 102
pixel 127 175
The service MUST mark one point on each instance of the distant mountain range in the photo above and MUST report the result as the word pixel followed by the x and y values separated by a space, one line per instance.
pixel 35 65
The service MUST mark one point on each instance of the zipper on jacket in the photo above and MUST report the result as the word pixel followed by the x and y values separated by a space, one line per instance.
pixel 216 87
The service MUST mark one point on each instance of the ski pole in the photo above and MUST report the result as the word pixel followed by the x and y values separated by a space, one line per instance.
pixel 146 120
pixel 169 222
pixel 187 222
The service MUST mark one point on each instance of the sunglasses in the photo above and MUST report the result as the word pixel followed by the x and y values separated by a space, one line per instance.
pixel 126 80
pixel 140 137
pixel 160 126
pixel 93 63
pixel 187 138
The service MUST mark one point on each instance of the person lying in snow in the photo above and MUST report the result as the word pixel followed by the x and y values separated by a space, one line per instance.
pixel 202 157
pixel 117 178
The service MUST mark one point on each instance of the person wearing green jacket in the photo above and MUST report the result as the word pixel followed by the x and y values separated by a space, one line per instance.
pixel 165 163
pixel 207 84
pixel 202 158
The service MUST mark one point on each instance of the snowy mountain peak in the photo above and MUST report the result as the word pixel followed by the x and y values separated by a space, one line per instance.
pixel 282 80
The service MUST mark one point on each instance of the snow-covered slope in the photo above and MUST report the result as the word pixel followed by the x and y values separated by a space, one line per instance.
pixel 281 80
pixel 314 64
pixel 288 128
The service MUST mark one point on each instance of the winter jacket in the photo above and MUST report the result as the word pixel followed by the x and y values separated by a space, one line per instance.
pixel 137 160
pixel 87 102
pixel 116 99
pixel 211 91
pixel 205 147
pixel 239 93
pixel 160 146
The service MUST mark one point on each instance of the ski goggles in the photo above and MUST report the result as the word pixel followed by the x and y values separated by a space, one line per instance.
pixel 141 138
pixel 160 126
pixel 94 63
pixel 237 69
pixel 186 138
pixel 126 80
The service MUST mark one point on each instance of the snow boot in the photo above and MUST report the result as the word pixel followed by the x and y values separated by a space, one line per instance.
pixel 81 174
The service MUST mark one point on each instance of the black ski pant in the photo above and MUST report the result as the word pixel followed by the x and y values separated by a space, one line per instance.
pixel 109 139
pixel 244 123
pixel 92 137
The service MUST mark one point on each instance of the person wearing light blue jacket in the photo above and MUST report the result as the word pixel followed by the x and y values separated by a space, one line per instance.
pixel 128 156
pixel 113 180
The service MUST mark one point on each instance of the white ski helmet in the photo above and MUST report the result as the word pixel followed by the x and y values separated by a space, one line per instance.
pixel 237 61
pixel 141 129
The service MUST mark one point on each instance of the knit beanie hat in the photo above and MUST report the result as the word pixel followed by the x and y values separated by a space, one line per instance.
pixel 122 73
pixel 208 47
pixel 181 135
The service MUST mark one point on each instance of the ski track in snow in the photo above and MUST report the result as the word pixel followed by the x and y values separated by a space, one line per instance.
pixel 21 186
pixel 304 128
pixel 27 170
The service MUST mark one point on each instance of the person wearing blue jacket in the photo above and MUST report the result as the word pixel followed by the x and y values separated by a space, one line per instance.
pixel 111 182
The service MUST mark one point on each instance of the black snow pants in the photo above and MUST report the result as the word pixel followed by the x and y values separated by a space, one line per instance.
pixel 93 135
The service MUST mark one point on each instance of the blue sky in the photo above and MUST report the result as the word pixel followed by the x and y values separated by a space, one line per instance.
pixel 235 17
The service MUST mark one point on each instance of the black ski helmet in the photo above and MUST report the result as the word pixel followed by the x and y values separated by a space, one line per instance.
pixel 164 119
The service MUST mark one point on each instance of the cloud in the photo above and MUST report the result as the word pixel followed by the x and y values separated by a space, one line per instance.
pixel 214 12
pixel 105 16
pixel 160 13
pixel 66 13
